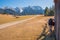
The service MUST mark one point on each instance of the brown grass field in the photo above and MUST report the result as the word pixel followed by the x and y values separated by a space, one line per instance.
pixel 10 18
pixel 28 30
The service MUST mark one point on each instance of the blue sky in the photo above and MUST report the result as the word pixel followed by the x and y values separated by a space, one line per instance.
pixel 25 3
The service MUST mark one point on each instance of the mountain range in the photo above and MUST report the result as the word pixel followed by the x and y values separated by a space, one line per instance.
pixel 30 10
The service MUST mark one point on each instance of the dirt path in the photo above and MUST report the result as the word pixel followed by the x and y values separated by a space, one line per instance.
pixel 14 23
pixel 27 30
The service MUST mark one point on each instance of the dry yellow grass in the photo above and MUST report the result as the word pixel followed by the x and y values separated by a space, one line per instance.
pixel 9 18
pixel 29 30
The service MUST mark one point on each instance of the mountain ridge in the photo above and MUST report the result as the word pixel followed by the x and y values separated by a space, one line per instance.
pixel 30 10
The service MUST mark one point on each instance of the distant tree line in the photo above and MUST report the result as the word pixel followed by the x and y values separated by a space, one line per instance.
pixel 49 11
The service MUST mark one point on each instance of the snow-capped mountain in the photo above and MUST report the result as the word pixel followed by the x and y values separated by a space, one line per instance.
pixel 32 10
pixel 36 7
pixel 23 11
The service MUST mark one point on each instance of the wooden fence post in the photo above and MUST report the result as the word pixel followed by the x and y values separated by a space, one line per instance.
pixel 57 19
